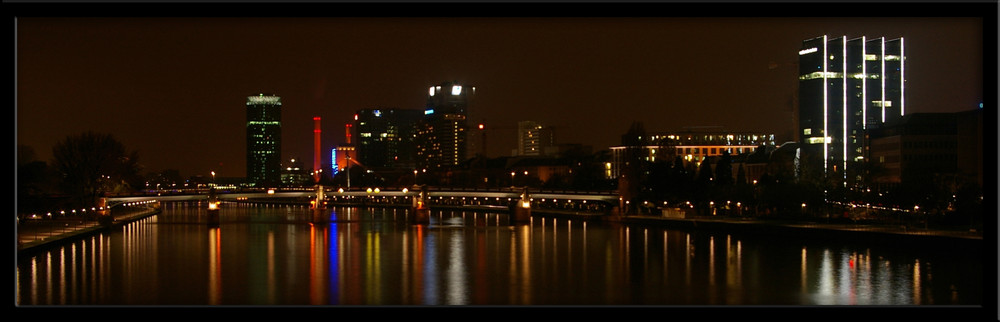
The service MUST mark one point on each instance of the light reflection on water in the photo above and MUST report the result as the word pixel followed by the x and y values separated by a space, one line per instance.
pixel 277 256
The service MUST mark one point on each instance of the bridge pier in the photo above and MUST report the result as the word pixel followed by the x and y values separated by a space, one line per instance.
pixel 420 209
pixel 213 208
pixel 319 206
pixel 521 212
pixel 104 217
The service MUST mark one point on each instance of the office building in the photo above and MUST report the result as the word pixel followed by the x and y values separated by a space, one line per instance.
pixel 344 154
pixel 294 174
pixel 533 138
pixel 691 146
pixel 387 137
pixel 846 88
pixel 442 133
pixel 928 148
pixel 263 140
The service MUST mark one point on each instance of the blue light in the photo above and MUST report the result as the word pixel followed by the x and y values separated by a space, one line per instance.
pixel 980 105
pixel 428 112
pixel 378 113
pixel 334 158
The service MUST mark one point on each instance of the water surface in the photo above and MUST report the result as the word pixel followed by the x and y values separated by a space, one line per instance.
pixel 278 256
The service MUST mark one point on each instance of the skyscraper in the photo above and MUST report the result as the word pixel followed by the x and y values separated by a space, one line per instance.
pixel 263 140
pixel 386 137
pixel 441 136
pixel 533 138
pixel 846 87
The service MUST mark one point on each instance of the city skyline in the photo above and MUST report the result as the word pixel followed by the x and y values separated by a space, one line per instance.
pixel 169 83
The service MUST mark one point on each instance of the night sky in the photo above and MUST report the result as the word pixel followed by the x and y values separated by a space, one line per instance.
pixel 175 88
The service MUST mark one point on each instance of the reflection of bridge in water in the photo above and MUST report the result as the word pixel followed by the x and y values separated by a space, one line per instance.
pixel 495 200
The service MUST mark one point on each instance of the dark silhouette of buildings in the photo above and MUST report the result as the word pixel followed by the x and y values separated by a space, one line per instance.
pixel 928 148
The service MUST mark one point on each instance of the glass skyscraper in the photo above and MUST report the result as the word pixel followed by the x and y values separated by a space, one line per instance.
pixel 846 87
pixel 264 140
pixel 386 137
pixel 442 134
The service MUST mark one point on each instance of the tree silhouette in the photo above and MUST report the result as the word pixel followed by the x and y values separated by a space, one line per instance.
pixel 632 171
pixel 724 170
pixel 34 181
pixel 741 175
pixel 91 164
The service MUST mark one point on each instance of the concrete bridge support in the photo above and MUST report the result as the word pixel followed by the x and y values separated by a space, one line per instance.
pixel 521 212
pixel 213 208
pixel 104 217
pixel 420 209
pixel 318 206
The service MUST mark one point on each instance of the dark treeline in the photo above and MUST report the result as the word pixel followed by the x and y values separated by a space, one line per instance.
pixel 84 167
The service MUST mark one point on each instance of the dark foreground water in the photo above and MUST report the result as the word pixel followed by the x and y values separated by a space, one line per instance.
pixel 275 256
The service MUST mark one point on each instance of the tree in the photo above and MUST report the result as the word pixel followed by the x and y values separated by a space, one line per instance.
pixel 705 172
pixel 724 170
pixel 632 174
pixel 741 175
pixel 34 181
pixel 91 164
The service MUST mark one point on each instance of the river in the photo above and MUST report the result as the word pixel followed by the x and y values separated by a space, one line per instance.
pixel 276 255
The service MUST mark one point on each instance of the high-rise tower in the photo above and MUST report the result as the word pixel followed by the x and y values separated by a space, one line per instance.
pixel 846 87
pixel 386 137
pixel 263 140
pixel 441 135
pixel 533 138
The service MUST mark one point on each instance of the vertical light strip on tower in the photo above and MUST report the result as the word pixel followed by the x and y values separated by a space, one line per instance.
pixel 902 77
pixel 843 61
pixel 864 83
pixel 316 151
pixel 826 103
pixel 882 76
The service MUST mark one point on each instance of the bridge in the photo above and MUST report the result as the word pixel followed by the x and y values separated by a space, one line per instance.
pixel 435 197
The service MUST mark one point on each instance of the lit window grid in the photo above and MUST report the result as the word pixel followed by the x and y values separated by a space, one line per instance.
pixel 847 136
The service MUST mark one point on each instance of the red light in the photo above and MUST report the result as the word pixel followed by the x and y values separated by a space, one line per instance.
pixel 481 126
pixel 355 117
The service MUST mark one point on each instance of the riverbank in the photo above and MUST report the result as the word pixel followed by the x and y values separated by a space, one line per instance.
pixel 840 231
pixel 32 235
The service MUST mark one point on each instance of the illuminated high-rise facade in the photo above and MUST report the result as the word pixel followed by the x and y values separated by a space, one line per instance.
pixel 263 140
pixel 386 137
pixel 533 138
pixel 846 87
pixel 442 134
